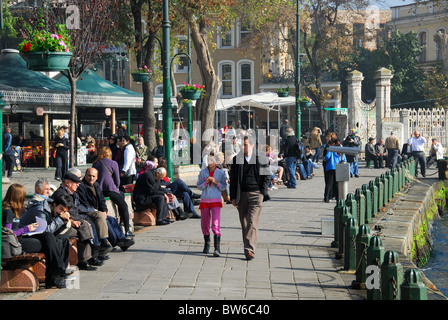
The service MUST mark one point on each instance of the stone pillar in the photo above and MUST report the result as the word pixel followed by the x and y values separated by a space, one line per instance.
pixel 404 119
pixel 354 80
pixel 382 77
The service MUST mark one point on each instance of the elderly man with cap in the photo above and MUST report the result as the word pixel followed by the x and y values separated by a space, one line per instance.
pixel 352 141
pixel 371 154
pixel 81 228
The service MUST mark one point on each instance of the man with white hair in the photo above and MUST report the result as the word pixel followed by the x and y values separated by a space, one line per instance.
pixel 147 191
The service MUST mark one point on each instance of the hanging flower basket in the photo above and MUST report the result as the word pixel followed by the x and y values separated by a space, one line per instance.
pixel 304 102
pixel 142 74
pixel 47 61
pixel 46 51
pixel 141 77
pixel 282 93
pixel 191 91
pixel 187 103
pixel 190 94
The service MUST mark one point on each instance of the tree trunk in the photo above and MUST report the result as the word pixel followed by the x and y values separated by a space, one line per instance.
pixel 149 119
pixel 206 105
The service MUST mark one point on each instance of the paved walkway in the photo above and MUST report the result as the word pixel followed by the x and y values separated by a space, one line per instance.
pixel 293 259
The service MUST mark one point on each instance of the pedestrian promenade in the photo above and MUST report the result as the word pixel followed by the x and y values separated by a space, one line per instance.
pixel 293 259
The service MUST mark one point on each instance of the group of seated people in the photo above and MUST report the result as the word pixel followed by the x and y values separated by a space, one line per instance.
pixel 77 209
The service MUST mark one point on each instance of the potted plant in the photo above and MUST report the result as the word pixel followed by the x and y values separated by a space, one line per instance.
pixel 191 91
pixel 305 101
pixel 187 103
pixel 46 51
pixel 142 74
pixel 283 92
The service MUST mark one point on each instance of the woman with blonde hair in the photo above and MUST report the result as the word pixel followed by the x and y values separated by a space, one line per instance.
pixel 316 143
pixel 109 181
pixel 56 249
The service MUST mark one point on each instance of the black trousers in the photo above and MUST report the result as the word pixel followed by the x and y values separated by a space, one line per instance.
pixel 331 185
pixel 123 210
pixel 8 164
pixel 61 165
pixel 56 250
pixel 420 159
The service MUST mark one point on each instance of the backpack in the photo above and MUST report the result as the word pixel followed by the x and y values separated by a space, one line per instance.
pixel 10 244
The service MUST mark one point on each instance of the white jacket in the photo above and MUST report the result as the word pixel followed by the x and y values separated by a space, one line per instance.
pixel 437 149
pixel 129 160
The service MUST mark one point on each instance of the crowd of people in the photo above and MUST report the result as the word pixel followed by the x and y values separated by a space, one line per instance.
pixel 238 176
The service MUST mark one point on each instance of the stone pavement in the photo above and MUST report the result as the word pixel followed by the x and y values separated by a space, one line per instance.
pixel 293 259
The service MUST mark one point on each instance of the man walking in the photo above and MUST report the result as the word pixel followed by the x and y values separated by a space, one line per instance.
pixel 249 182
pixel 8 153
pixel 417 143
pixel 393 147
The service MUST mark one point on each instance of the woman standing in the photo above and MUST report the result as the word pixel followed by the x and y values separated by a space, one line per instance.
pixel 109 181
pixel 56 249
pixel 211 181
pixel 330 160
pixel 316 143
pixel 62 147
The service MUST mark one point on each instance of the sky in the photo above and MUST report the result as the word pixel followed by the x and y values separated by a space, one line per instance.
pixel 391 3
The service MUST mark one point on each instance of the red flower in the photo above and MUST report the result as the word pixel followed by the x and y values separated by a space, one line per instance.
pixel 27 47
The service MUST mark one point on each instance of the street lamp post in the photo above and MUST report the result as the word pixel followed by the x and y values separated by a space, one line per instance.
pixel 167 108
pixel 297 73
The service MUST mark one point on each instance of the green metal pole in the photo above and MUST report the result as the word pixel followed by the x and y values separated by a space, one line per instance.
pixel 167 108
pixel 2 104
pixel 298 111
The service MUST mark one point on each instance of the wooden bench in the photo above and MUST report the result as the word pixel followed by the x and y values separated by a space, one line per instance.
pixel 23 273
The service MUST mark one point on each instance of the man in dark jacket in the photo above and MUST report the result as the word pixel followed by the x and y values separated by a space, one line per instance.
pixel 249 182
pixel 290 152
pixel 91 197
pixel 148 190
pixel 8 153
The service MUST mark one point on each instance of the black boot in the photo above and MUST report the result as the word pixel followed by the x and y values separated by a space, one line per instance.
pixel 206 244
pixel 217 240
pixel 183 215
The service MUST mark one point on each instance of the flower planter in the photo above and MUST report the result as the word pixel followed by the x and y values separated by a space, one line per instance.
pixel 47 61
pixel 140 77
pixel 283 94
pixel 190 94
pixel 305 104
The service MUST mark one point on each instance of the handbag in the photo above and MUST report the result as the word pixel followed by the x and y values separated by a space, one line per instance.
pixel 11 246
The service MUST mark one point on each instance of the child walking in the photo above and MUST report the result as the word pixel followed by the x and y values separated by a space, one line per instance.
pixel 211 181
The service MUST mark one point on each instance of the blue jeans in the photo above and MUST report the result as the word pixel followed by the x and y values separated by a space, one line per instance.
pixel 316 155
pixel 354 168
pixel 392 157
pixel 272 178
pixel 183 192
pixel 291 164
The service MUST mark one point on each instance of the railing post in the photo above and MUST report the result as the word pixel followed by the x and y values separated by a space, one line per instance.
pixel 380 185
pixel 375 257
pixel 413 287
pixel 350 202
pixel 385 180
pixel 346 215
pixel 374 193
pixel 361 206
pixel 350 245
pixel 368 195
pixel 391 276
pixel 362 242
pixel 337 216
